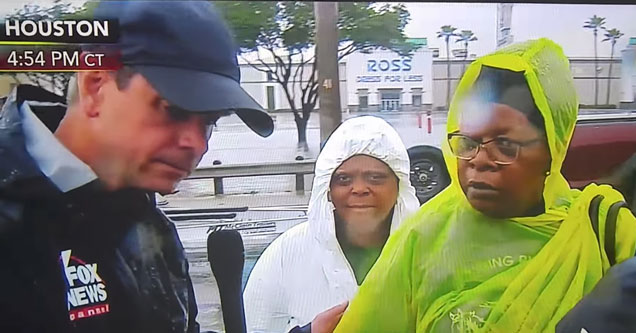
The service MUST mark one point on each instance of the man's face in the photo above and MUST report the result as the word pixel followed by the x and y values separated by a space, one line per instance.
pixel 144 143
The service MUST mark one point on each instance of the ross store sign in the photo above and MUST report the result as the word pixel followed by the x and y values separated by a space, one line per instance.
pixel 393 70
pixel 393 65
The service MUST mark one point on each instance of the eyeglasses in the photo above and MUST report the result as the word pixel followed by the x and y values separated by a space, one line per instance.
pixel 500 150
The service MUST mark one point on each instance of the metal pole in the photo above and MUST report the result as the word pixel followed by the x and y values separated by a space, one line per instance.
pixel 327 64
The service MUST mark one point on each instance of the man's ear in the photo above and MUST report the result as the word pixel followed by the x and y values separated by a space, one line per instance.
pixel 90 86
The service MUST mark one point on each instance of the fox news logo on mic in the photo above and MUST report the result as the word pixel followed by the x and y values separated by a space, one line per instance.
pixel 60 31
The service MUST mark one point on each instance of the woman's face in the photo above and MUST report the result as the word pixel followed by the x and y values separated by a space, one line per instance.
pixel 510 190
pixel 364 191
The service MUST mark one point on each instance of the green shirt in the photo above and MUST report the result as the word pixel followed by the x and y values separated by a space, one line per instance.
pixel 360 259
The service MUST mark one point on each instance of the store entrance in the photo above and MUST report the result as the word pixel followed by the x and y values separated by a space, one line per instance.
pixel 390 100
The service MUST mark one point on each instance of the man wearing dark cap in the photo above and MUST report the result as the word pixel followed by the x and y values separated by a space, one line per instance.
pixel 84 247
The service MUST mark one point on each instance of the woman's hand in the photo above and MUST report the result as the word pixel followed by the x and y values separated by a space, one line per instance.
pixel 326 322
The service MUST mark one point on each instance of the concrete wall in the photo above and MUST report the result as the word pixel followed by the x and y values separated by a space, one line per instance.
pixel 628 77
pixel 256 82
pixel 582 71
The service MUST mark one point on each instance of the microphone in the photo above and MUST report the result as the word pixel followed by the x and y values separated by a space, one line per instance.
pixel 226 255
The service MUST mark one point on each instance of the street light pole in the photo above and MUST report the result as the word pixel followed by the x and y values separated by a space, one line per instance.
pixel 327 64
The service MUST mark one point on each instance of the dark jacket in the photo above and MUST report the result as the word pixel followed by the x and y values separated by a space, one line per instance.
pixel 88 260
pixel 624 180
pixel 610 307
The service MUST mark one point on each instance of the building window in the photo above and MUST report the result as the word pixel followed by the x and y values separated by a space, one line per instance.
pixel 416 97
pixel 363 99
pixel 270 77
pixel 271 103
pixel 363 102
pixel 459 53
pixel 417 100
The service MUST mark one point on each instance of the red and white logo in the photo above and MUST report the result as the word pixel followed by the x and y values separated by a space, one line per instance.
pixel 86 294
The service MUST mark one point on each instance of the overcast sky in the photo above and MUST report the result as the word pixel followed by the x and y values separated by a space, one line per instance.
pixel 562 23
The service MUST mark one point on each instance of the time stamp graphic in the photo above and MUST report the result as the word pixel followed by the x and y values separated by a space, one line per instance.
pixel 58 45
pixel 54 59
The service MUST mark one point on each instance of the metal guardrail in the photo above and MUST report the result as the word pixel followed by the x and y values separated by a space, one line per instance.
pixel 607 117
pixel 175 211
pixel 298 168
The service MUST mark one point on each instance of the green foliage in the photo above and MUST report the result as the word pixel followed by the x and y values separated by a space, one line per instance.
pixel 368 27
pixel 299 25
pixel 612 35
pixel 594 23
pixel 446 32
pixel 253 22
pixel 291 25
pixel 285 30
pixel 466 36
pixel 36 12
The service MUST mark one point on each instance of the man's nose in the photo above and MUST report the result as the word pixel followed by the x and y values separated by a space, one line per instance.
pixel 193 134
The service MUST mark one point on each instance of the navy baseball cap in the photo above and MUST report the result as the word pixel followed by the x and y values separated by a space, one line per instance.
pixel 186 52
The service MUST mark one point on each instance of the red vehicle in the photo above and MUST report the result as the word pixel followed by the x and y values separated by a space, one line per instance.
pixel 603 150
pixel 601 143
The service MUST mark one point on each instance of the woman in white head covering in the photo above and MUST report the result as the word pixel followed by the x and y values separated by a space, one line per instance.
pixel 361 193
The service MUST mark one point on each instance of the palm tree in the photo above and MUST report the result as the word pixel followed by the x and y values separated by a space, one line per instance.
pixel 465 36
pixel 446 32
pixel 611 35
pixel 595 23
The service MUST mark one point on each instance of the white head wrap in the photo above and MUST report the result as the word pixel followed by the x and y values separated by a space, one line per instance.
pixel 365 135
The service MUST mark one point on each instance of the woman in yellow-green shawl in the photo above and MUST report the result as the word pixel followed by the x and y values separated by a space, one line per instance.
pixel 508 246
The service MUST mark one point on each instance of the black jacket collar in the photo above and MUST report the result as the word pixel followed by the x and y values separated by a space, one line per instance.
pixel 20 176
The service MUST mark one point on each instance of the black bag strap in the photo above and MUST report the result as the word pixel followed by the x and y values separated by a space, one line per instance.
pixel 609 242
pixel 593 212
pixel 610 230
